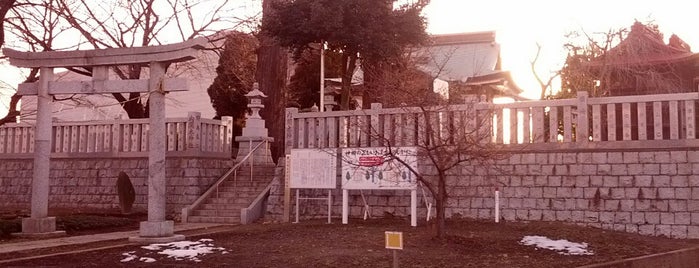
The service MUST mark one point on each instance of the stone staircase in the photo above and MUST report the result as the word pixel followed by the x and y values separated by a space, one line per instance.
pixel 235 193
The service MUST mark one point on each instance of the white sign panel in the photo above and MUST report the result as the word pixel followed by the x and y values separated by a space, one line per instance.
pixel 313 169
pixel 374 168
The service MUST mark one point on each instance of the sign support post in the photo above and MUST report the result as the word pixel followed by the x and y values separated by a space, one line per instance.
pixel 287 189
pixel 330 204
pixel 394 242
pixel 345 206
pixel 413 208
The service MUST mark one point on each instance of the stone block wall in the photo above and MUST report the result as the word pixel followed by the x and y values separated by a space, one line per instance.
pixel 90 184
pixel 651 193
pixel 646 192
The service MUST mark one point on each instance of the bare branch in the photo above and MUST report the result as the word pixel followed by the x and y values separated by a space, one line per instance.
pixel 34 25
pixel 544 86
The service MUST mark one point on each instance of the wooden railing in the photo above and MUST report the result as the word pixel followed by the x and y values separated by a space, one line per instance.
pixel 666 121
pixel 189 136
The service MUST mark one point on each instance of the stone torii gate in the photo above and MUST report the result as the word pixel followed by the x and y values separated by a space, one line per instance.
pixel 157 58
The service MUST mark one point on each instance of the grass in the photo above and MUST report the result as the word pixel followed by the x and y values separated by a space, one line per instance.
pixel 75 223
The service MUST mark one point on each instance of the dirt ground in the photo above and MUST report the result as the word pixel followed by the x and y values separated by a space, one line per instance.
pixel 314 243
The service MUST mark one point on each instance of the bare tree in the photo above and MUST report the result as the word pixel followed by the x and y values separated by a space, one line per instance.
pixel 448 136
pixel 543 85
pixel 28 15
pixel 5 7
pixel 626 61
pixel 35 25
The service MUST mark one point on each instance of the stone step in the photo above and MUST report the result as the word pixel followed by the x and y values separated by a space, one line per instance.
pixel 246 178
pixel 246 183
pixel 208 219
pixel 240 189
pixel 238 193
pixel 222 206
pixel 255 171
pixel 217 212
pixel 230 201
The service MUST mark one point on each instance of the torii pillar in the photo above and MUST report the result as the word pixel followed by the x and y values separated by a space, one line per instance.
pixel 156 228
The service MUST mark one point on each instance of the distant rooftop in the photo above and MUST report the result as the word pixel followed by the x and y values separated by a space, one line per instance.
pixel 463 38
pixel 456 57
pixel 645 45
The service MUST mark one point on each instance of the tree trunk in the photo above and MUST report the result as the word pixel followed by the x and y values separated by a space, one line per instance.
pixel 133 106
pixel 271 75
pixel 12 112
pixel 5 6
pixel 441 201
pixel 371 79
pixel 349 61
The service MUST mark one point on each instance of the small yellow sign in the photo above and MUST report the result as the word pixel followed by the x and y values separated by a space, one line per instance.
pixel 394 240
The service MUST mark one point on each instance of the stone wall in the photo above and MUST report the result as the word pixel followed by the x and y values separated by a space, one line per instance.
pixel 90 184
pixel 646 192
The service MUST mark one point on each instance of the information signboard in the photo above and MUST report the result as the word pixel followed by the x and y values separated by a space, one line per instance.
pixel 313 169
pixel 376 168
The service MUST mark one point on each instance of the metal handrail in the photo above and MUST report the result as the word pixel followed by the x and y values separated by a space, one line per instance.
pixel 214 187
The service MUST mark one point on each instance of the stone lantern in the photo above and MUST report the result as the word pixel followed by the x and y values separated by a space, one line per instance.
pixel 254 131
pixel 329 99
pixel 254 125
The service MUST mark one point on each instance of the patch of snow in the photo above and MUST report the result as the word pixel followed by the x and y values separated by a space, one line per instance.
pixel 146 259
pixel 129 256
pixel 562 246
pixel 151 247
pixel 180 250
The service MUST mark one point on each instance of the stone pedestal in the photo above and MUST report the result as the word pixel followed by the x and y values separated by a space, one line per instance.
pixel 39 228
pixel 156 232
pixel 261 157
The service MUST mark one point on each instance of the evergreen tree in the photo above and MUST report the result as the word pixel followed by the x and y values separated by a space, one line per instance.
pixel 235 76
pixel 372 30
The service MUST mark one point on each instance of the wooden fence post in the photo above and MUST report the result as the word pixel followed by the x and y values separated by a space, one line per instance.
pixel 289 129
pixel 115 135
pixel 194 131
pixel 375 134
pixel 228 134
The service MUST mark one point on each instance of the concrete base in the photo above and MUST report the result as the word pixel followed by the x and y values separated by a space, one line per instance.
pixel 38 225
pixel 45 235
pixel 156 232
pixel 39 228
pixel 156 240
pixel 156 228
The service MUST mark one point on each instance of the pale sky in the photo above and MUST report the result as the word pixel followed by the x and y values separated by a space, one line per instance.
pixel 519 25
